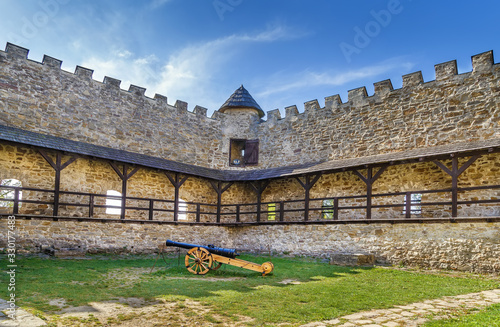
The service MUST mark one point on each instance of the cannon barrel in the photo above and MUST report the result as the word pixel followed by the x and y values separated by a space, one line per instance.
pixel 231 253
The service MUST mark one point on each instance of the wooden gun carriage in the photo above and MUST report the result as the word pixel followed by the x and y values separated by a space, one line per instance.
pixel 200 259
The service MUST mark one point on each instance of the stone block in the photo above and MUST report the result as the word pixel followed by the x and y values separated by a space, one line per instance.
pixel 352 259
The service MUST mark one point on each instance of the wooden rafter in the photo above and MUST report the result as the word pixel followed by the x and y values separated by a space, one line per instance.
pixel 308 185
pixel 124 176
pixel 259 187
pixel 177 182
pixel 58 166
pixel 219 188
pixel 455 172
pixel 369 180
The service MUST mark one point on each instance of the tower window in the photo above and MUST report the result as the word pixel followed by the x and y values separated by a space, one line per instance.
pixel 244 152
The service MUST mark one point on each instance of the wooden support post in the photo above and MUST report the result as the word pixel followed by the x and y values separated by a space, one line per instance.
pixel 124 176
pixel 151 209
pixel 219 188
pixel 307 185
pixel 177 183
pixel 15 209
pixel 455 172
pixel 369 180
pixel 58 166
pixel 335 208
pixel 408 205
pixel 91 206
pixel 198 212
pixel 282 210
pixel 259 188
pixel 237 213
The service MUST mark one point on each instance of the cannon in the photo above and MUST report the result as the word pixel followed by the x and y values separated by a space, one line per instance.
pixel 200 259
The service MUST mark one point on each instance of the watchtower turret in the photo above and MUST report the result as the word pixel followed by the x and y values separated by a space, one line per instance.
pixel 241 101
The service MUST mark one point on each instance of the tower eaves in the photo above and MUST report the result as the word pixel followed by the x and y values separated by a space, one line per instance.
pixel 241 98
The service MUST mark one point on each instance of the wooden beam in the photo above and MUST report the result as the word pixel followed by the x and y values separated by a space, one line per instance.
pixel 369 180
pixel 259 187
pixel 308 185
pixel 124 176
pixel 455 172
pixel 58 166
pixel 219 188
pixel 177 183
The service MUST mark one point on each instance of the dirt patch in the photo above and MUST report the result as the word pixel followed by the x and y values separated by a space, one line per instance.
pixel 133 312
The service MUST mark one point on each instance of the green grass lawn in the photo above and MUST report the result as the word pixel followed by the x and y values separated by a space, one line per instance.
pixel 319 291
pixel 488 317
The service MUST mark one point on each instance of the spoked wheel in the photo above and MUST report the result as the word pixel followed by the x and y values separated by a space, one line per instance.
pixel 198 261
pixel 215 265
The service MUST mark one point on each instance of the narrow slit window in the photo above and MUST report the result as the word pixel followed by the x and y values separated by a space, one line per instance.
pixel 113 200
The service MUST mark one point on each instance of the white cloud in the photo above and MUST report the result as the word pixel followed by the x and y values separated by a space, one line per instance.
pixel 313 79
pixel 188 73
pixel 158 3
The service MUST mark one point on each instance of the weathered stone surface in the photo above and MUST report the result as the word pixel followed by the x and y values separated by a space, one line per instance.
pixel 352 259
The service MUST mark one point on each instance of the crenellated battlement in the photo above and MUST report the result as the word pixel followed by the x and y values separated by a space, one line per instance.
pixel 16 52
pixel 42 97
pixel 358 97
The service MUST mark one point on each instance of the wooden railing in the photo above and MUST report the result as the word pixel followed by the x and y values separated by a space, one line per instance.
pixel 340 208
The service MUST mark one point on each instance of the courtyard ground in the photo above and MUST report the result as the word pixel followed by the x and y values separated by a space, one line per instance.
pixel 109 291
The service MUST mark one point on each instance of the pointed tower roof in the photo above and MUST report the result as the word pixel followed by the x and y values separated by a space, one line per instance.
pixel 241 99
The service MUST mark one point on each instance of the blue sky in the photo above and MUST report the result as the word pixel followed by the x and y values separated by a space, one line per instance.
pixel 285 52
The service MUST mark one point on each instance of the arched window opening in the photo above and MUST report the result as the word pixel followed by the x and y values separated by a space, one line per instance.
pixel 182 210
pixel 113 199
pixel 8 192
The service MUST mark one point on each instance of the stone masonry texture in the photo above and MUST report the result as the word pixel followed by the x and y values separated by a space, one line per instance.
pixel 452 109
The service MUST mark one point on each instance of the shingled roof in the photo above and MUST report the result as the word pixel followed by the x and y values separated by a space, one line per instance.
pixel 17 135
pixel 241 98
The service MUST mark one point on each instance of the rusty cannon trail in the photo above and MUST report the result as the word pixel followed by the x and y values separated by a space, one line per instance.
pixel 200 259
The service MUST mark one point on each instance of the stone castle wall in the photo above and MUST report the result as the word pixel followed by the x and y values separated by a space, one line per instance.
pixel 458 246
pixel 453 108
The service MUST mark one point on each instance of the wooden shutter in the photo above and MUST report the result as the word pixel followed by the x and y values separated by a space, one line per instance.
pixel 251 152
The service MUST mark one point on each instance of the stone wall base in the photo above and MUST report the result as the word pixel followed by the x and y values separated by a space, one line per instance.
pixel 466 246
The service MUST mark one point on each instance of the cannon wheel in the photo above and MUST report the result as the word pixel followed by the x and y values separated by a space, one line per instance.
pixel 215 265
pixel 198 261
